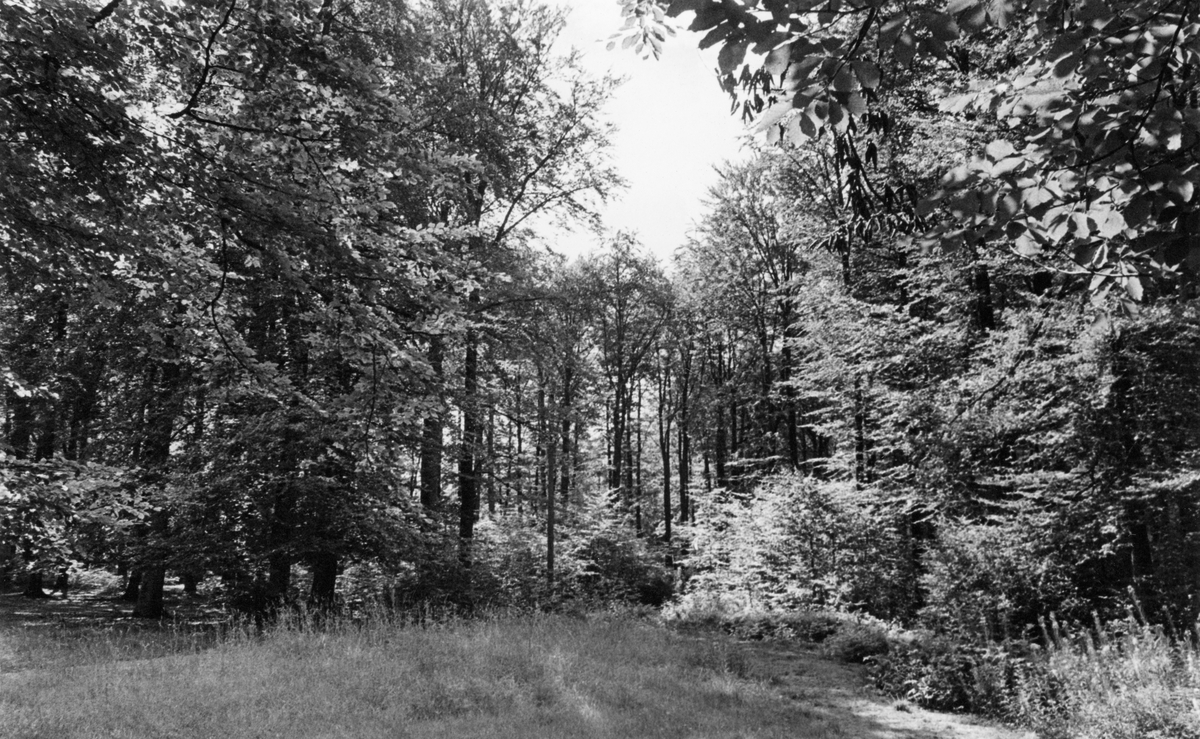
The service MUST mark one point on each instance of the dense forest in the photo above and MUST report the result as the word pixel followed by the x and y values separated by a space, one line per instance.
pixel 278 317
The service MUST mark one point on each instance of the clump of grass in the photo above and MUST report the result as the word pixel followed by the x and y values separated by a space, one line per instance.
pixel 527 676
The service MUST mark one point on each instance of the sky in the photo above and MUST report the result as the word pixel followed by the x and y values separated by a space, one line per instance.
pixel 674 128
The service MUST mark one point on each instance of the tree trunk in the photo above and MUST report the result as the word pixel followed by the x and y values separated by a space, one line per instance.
pixel 323 593
pixel 490 463
pixel 431 438
pixel 664 448
pixel 568 379
pixel 551 466
pixel 472 436
pixel 150 588
pixel 34 586
pixel 132 586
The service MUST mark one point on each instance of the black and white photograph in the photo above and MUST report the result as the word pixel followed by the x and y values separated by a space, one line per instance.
pixel 540 369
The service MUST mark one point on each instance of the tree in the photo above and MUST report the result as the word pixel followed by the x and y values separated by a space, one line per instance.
pixel 1092 165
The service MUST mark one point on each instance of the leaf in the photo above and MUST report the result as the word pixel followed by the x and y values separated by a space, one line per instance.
pixel 905 49
pixel 867 73
pixel 943 27
pixel 678 7
pixel 777 61
pixel 843 80
pixel 715 36
pixel 1182 187
pixel 999 149
pixel 732 54
pixel 856 104
pixel 773 115
pixel 1133 286
pixel 807 126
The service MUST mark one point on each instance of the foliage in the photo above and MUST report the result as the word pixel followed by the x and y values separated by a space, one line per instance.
pixel 856 642
pixel 1121 679
pixel 993 579
pixel 1093 107
pixel 797 543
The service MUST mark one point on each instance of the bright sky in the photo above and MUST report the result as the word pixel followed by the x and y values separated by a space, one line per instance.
pixel 674 126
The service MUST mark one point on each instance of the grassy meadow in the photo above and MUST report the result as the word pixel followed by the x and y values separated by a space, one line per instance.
pixel 520 676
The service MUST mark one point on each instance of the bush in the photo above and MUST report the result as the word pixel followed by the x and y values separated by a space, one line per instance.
pixel 95 580
pixel 942 675
pixel 992 581
pixel 799 544
pixel 856 642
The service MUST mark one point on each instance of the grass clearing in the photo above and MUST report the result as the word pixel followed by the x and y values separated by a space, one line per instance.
pixel 521 676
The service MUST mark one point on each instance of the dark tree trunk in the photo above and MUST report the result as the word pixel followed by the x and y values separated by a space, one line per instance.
pixel 551 467
pixel 132 586
pixel 985 313
pixel 719 452
pixel 565 435
pixel 150 589
pixel 191 581
pixel 431 438
pixel 279 577
pixel 664 448
pixel 20 425
pixel 472 437
pixel 150 593
pixel 322 595
pixel 34 586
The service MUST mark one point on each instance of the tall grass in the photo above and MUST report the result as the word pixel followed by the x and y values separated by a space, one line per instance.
pixel 524 676
pixel 1125 680
pixel 1116 680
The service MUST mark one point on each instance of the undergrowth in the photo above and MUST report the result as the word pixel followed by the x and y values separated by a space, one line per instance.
pixel 1117 680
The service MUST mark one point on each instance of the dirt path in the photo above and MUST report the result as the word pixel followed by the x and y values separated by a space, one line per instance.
pixel 839 694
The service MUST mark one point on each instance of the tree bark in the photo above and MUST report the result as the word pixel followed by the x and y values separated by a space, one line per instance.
pixel 323 593
pixel 431 438
pixel 468 482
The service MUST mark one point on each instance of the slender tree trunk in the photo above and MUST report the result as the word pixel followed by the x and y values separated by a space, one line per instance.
pixel 468 483
pixel 985 313
pixel 490 462
pixel 639 490
pixel 664 448
pixel 719 452
pixel 551 480
pixel 431 437
pixel 565 438
pixel 157 454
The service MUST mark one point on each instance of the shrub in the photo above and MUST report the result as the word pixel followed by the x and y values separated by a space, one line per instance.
pixel 796 543
pixel 991 581
pixel 944 675
pixel 855 642
pixel 95 580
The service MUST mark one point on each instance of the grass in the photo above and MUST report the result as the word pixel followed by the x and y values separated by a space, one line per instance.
pixel 521 676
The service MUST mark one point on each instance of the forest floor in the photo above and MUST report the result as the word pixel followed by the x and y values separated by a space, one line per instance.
pixel 536 676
